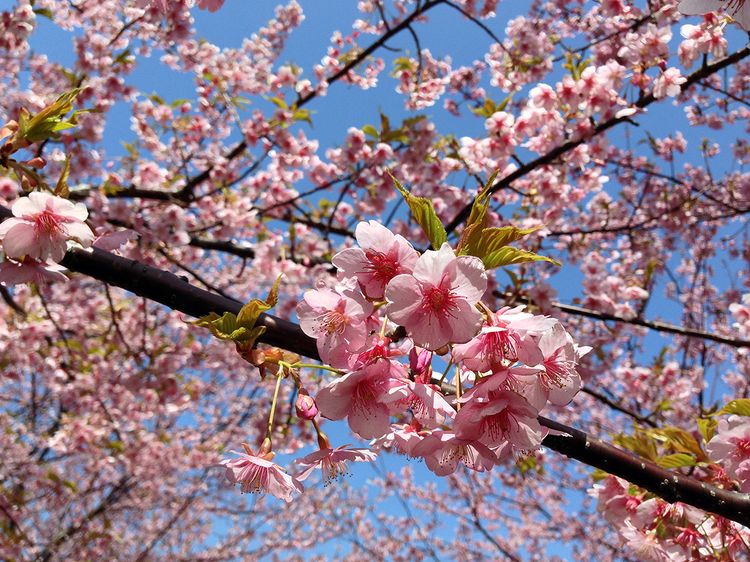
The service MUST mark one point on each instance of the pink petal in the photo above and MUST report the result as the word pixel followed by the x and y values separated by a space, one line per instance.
pixel 80 232
pixel 21 240
pixel 469 278
pixel 432 264
pixel 35 203
pixel 373 235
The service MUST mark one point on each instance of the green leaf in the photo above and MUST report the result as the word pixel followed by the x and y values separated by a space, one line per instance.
pixel 44 12
pixel 116 446
pixel 528 464
pixel 278 102
pixel 302 115
pixel 124 57
pixel 598 474
pixel 241 328
pixel 370 131
pixel 486 109
pixel 61 189
pixel 678 440
pixel 512 256
pixel 741 407
pixel 49 120
pixel 491 240
pixel 425 215
pixel 707 427
pixel 677 460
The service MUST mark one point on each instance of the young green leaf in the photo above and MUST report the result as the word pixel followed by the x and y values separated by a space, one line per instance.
pixel 425 215
pixel 677 460
pixel 510 256
pixel 741 407
pixel 493 239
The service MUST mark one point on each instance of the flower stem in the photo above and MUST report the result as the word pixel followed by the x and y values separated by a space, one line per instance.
pixel 313 366
pixel 279 376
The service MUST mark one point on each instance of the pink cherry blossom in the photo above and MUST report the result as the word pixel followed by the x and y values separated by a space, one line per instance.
pixel 332 461
pixel 257 474
pixel 503 340
pixel 111 241
pixel 381 256
pixel 731 448
pixel 337 320
pixel 360 396
pixel 30 270
pixel 646 545
pixel 614 500
pixel 305 406
pixel 555 379
pixel 425 401
pixel 668 83
pixel 402 437
pixel 42 225
pixel 497 417
pixel 210 5
pixel 443 451
pixel 436 303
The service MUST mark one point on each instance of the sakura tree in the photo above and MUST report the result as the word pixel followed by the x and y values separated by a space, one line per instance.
pixel 512 297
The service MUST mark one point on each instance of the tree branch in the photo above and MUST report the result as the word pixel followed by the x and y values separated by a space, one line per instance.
pixel 169 290
pixel 564 148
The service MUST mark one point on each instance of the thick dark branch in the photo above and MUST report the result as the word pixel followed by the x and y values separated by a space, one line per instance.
pixel 168 289
pixel 226 246
pixel 668 485
pixel 564 148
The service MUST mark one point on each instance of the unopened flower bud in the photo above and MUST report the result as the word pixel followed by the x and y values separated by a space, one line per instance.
pixel 305 406
pixel 37 162
pixel 420 364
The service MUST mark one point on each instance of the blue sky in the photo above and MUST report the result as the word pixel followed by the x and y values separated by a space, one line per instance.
pixel 345 106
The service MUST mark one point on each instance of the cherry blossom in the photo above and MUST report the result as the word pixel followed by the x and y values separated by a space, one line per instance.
pixel 42 225
pixel 256 473
pixel 332 462
pixel 436 302
pixel 504 340
pixel 380 257
pixel 500 416
pixel 668 83
pixel 30 270
pixel 362 397
pixel 337 320
pixel 731 447
pixel 443 452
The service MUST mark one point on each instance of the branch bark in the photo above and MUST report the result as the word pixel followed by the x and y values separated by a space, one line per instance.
pixel 168 289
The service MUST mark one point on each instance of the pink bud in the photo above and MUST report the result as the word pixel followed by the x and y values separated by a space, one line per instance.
pixel 305 406
pixel 420 364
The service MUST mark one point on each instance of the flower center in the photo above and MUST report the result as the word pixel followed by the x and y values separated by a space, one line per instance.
pixel 382 266
pixel 556 370
pixel 333 322
pixel 47 222
pixel 500 346
pixel 438 299
pixel 743 447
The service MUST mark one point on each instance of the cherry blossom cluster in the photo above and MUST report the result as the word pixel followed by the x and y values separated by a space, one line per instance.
pixel 502 367
pixel 655 530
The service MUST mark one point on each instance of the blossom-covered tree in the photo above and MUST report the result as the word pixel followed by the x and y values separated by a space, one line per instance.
pixel 526 272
